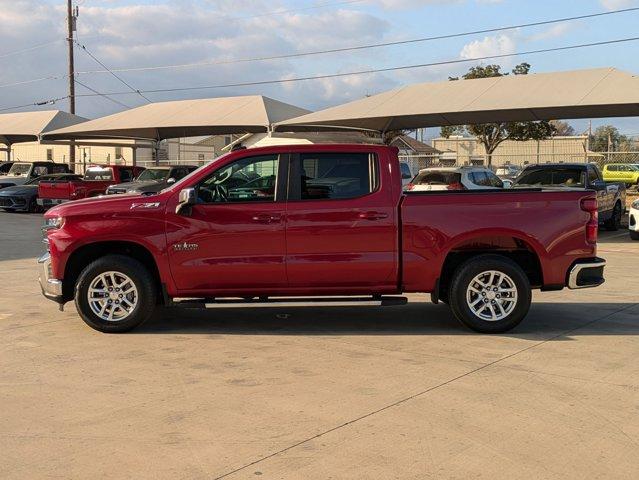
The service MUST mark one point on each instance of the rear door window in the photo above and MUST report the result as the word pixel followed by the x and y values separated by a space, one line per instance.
pixel 324 176
pixel 480 178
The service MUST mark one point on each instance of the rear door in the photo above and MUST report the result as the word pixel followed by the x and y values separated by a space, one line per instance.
pixel 341 230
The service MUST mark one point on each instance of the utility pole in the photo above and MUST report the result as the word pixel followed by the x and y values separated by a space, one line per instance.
pixel 71 19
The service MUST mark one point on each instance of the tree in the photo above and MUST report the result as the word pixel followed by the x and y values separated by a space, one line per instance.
pixel 491 135
pixel 563 129
pixel 605 136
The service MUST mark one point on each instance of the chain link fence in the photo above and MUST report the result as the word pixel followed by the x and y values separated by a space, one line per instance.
pixel 418 162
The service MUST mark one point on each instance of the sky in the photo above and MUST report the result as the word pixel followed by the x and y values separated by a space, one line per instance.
pixel 140 33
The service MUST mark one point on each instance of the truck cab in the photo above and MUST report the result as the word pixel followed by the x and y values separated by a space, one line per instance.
pixel 23 172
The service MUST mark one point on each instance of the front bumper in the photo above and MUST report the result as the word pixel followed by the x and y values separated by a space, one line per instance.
pixel 51 202
pixel 13 202
pixel 586 273
pixel 51 287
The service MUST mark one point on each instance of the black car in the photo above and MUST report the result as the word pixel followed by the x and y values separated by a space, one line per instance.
pixel 152 180
pixel 24 198
pixel 5 167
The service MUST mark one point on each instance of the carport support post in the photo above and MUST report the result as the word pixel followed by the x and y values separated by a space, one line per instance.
pixel 8 152
pixel 134 156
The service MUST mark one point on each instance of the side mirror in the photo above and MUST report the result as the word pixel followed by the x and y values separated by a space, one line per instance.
pixel 186 200
pixel 170 180
pixel 598 185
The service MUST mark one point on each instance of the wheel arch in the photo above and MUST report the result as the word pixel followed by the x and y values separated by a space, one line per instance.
pixel 87 253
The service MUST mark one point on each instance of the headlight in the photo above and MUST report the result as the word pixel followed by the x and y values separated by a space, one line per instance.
pixel 635 204
pixel 53 222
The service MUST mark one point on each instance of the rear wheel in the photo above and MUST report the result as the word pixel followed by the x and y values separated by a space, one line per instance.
pixel 115 294
pixel 614 222
pixel 490 294
pixel 33 205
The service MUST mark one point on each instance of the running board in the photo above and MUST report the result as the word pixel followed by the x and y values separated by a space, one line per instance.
pixel 281 302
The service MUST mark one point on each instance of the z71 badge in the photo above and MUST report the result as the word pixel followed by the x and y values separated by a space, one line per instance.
pixel 185 247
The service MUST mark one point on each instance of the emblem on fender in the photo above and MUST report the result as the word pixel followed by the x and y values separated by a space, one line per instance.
pixel 185 247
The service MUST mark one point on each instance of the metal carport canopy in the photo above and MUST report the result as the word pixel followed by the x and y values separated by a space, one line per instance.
pixel 184 118
pixel 22 127
pixel 595 93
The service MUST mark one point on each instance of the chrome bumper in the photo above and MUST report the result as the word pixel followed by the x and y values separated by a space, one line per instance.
pixel 51 287
pixel 587 274
pixel 51 202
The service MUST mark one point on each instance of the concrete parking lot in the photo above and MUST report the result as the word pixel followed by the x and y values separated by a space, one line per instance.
pixel 309 393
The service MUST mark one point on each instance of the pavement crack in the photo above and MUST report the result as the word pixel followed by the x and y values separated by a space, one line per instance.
pixel 421 393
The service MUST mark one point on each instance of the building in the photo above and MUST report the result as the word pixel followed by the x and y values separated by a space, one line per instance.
pixel 459 150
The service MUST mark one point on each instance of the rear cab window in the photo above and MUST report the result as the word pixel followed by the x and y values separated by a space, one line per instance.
pixel 556 176
pixel 98 174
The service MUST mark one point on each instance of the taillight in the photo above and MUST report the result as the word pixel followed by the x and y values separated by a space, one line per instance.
pixel 455 186
pixel 410 186
pixel 592 227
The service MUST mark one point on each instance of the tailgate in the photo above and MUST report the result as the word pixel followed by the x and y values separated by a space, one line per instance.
pixel 59 190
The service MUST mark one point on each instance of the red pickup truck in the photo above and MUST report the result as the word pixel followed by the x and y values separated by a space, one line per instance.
pixel 95 182
pixel 324 223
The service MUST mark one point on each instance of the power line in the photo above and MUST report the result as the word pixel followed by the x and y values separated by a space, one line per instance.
pixel 134 90
pixel 51 101
pixel 103 95
pixel 28 49
pixel 362 47
pixel 380 70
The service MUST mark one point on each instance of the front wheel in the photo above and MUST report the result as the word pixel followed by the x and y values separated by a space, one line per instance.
pixel 490 294
pixel 115 294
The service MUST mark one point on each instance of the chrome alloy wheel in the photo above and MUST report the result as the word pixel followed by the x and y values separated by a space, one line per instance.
pixel 491 296
pixel 112 296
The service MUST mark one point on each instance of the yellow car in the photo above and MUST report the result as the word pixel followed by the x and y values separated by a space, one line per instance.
pixel 620 172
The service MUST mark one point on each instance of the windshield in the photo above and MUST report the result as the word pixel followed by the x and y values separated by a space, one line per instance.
pixel 20 169
pixel 558 177
pixel 153 174
pixel 98 174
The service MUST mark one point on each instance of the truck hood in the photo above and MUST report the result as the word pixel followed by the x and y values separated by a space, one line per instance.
pixel 19 190
pixel 11 180
pixel 146 186
pixel 112 203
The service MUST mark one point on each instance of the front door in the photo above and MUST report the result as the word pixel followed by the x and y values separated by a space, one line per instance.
pixel 234 239
pixel 341 224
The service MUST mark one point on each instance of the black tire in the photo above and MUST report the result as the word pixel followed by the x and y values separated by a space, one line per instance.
pixel 33 205
pixel 614 222
pixel 462 280
pixel 139 276
pixel 634 235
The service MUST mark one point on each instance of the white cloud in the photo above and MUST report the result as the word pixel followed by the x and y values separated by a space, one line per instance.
pixel 618 4
pixel 555 31
pixel 493 45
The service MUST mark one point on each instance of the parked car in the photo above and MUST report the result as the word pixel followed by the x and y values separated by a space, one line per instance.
pixel 619 172
pixel 152 180
pixel 5 167
pixel 407 173
pixel 454 178
pixel 22 172
pixel 197 244
pixel 611 196
pixel 633 220
pixel 23 198
pixel 95 182
pixel 508 172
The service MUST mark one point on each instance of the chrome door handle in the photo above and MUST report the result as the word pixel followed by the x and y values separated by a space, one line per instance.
pixel 373 215
pixel 266 218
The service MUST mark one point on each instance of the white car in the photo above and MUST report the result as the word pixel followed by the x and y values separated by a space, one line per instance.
pixel 454 178
pixel 633 220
